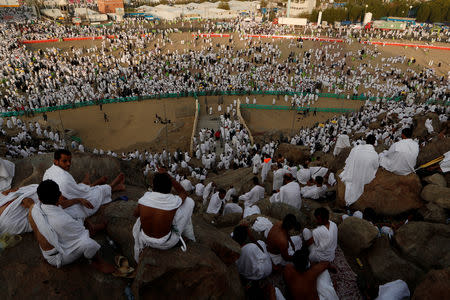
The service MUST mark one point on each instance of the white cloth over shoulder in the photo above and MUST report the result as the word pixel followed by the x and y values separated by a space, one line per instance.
pixel 232 208
pixel 96 195
pixel 181 224
pixel 254 262
pixel 394 290
pixel 69 237
pixel 445 163
pixel 14 219
pixel 360 169
pixel 7 171
pixel 343 141
pixel 401 157
pixel 253 196
pixel 325 288
pixel 290 194
pixel 251 210
pixel 325 242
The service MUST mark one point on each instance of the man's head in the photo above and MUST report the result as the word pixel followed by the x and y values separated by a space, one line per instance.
pixel 370 139
pixel 222 193
pixel 290 222
pixel 255 180
pixel 63 159
pixel 301 260
pixel 322 215
pixel 319 180
pixel 48 192
pixel 240 234
pixel 162 183
pixel 407 133
pixel 287 178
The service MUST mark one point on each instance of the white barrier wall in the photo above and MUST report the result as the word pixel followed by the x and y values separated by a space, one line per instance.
pixel 241 119
pixel 194 128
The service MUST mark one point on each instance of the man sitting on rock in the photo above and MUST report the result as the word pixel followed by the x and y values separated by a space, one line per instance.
pixel 233 207
pixel 401 157
pixel 162 216
pixel 280 245
pixel 303 279
pixel 254 195
pixel 61 238
pixel 14 211
pixel 360 169
pixel 80 200
pixel 254 262
pixel 322 241
pixel 289 193
pixel 315 191
pixel 216 202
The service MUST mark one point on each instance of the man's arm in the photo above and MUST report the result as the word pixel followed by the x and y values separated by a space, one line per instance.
pixel 284 251
pixel 65 203
pixel 176 185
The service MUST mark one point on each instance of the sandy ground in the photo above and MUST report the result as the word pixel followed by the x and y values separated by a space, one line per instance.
pixel 132 126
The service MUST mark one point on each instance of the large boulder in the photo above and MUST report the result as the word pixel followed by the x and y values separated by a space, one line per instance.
pixel 356 234
pixel 434 286
pixel 336 163
pixel 387 266
pixel 388 194
pixel 195 274
pixel 293 153
pixel 419 124
pixel 426 244
pixel 436 179
pixel 436 194
pixel 279 210
pixel 433 213
pixel 24 274
pixel 433 150
pixel 31 169
pixel 241 179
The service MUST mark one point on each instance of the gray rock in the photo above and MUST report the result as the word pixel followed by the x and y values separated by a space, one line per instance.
pixel 436 179
pixel 356 235
pixel 436 194
pixel 433 213
pixel 387 266
pixel 426 244
pixel 434 286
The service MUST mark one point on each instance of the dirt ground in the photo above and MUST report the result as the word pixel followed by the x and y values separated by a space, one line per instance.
pixel 131 125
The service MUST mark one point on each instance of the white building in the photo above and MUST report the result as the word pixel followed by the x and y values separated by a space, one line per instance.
pixel 301 7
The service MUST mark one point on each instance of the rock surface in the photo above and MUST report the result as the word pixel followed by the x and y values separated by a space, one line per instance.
pixel 387 266
pixel 293 153
pixel 24 274
pixel 436 179
pixel 436 194
pixel 433 150
pixel 388 194
pixel 433 213
pixel 356 235
pixel 426 244
pixel 434 286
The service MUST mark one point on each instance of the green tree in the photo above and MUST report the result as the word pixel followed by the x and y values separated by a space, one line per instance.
pixel 423 13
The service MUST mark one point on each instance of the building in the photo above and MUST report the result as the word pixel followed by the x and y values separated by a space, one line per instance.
pixel 109 6
pixel 297 7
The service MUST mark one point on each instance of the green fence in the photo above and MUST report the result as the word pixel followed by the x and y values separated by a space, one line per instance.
pixel 311 109
pixel 177 95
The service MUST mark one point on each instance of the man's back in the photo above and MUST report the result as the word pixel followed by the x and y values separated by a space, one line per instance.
pixel 156 211
pixel 303 285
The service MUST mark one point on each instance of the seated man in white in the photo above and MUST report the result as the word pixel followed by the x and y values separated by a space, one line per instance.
pixel 254 263
pixel 278 177
pixel 7 170
pixel 162 216
pixel 187 185
pixel 289 193
pixel 61 238
pixel 216 202
pixel 14 211
pixel 232 207
pixel 401 157
pixel 343 141
pixel 199 188
pixel 80 200
pixel 254 195
pixel 322 241
pixel 360 169
pixel 315 191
